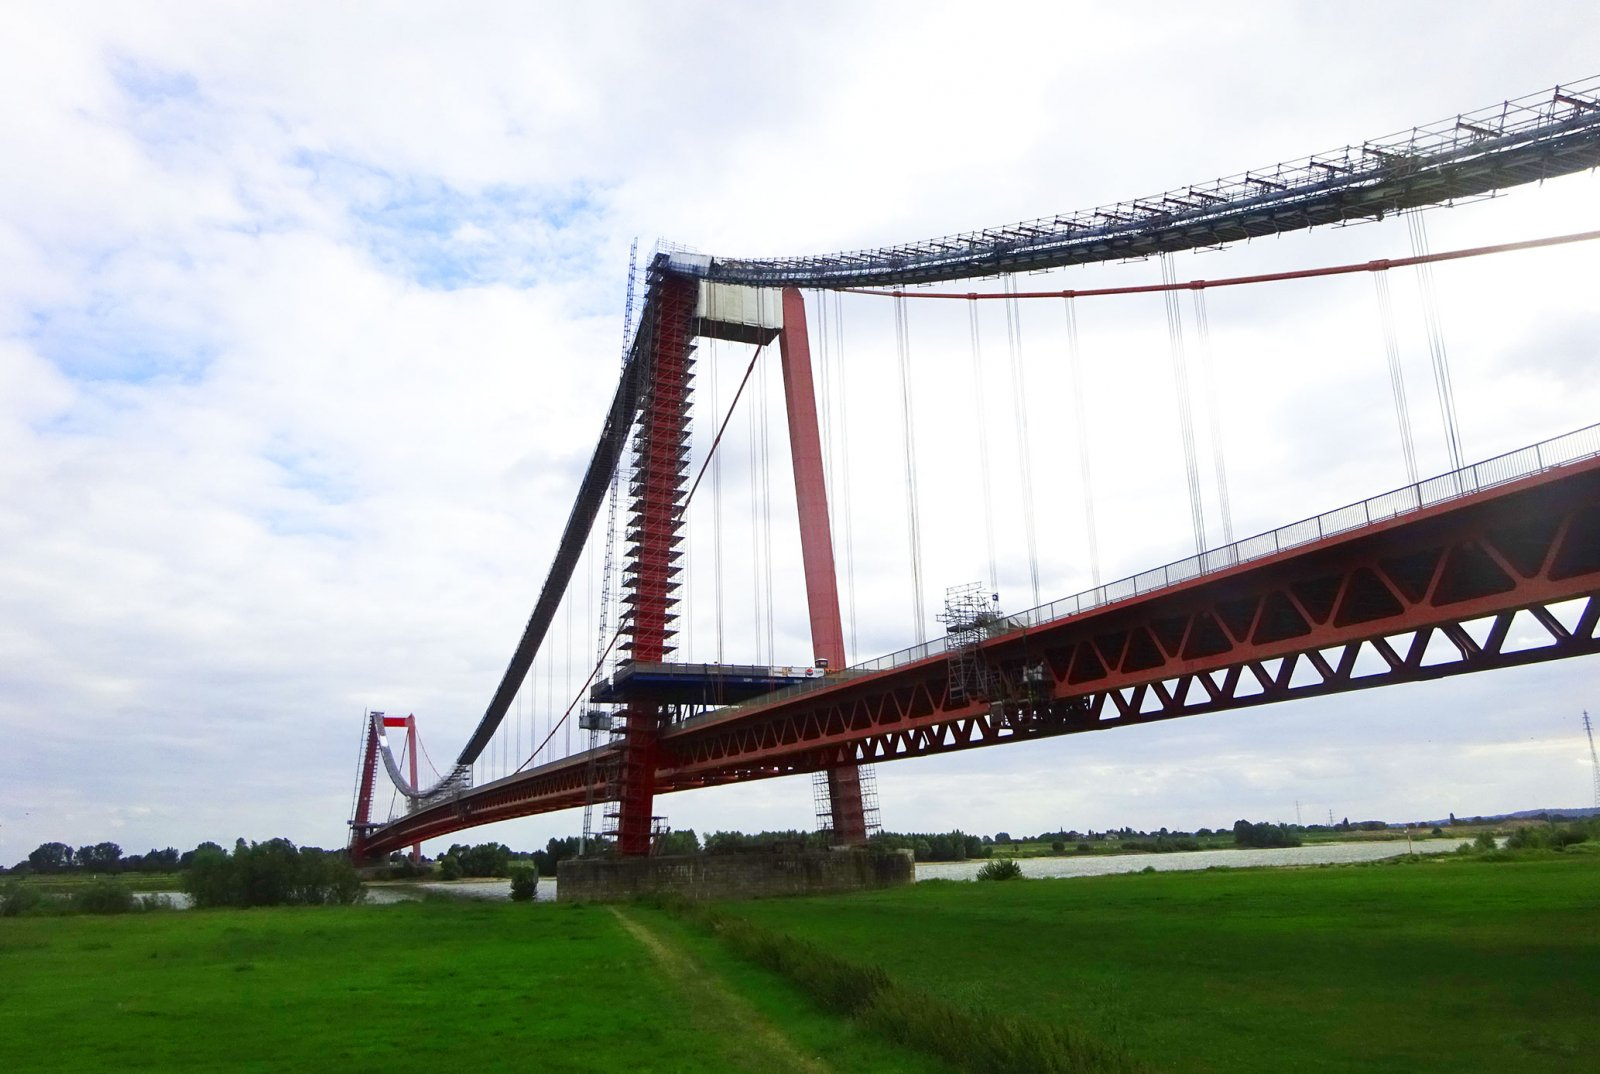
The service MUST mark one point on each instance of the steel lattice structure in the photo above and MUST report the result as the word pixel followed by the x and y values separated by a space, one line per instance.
pixel 1477 153
pixel 1502 574
pixel 1235 627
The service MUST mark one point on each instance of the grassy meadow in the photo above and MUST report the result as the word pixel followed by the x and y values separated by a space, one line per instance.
pixel 1456 965
pixel 428 987
pixel 1453 965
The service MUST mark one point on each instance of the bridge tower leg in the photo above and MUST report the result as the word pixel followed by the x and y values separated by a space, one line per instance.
pixel 661 452
pixel 411 752
pixel 816 543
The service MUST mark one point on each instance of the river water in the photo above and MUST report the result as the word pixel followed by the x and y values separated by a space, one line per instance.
pixel 499 890
pixel 1178 861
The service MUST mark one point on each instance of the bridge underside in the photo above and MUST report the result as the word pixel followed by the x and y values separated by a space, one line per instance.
pixel 1499 578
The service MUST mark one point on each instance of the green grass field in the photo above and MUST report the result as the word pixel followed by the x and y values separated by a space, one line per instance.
pixel 445 986
pixel 1456 965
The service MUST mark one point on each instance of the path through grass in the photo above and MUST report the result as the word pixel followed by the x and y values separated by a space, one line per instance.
pixel 458 986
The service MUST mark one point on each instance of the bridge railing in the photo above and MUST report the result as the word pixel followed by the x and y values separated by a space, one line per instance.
pixel 1524 462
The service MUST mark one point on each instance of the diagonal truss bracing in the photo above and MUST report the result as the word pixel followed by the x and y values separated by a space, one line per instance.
pixel 1498 578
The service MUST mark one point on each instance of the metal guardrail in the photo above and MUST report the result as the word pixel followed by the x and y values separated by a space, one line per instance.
pixel 1524 462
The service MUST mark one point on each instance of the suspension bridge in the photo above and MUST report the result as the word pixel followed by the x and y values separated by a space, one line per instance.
pixel 1490 564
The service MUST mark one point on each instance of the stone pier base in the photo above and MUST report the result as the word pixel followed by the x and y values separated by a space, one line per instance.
pixel 732 876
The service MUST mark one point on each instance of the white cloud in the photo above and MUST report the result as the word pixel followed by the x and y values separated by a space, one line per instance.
pixel 308 317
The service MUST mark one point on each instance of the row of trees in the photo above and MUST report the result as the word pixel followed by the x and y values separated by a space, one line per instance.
pixel 1264 834
pixel 941 846
pixel 273 873
pixel 101 858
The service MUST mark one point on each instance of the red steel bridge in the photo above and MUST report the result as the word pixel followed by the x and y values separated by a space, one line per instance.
pixel 1491 565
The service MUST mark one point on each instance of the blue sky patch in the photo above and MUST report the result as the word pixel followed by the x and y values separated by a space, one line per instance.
pixel 437 236
pixel 103 341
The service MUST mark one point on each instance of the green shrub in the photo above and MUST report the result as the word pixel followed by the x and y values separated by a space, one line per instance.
pixel 524 882
pixel 19 899
pixel 274 873
pixel 102 897
pixel 1000 869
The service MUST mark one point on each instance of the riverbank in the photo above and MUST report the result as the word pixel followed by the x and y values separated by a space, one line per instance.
pixel 1062 866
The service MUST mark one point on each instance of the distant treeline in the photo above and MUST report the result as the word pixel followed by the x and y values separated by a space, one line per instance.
pixel 103 858
pixel 273 873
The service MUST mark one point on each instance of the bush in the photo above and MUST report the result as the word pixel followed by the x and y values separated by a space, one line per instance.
pixel 524 882
pixel 274 873
pixel 19 899
pixel 1000 869
pixel 103 897
pixel 1264 834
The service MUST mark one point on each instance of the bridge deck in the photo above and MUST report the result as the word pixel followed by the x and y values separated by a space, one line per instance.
pixel 1311 617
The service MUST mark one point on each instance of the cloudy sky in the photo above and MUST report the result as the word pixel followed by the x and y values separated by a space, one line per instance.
pixel 309 314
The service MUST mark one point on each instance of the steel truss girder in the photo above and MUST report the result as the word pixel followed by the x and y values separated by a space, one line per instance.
pixel 1295 625
pixel 1503 578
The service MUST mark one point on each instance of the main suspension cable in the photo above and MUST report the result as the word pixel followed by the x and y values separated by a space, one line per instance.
pixel 1379 265
pixel 556 725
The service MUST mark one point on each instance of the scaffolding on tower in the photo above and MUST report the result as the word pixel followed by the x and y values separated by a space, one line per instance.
pixel 597 722
pixel 970 615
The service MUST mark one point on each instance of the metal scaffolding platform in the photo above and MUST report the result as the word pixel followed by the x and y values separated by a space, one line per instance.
pixel 696 684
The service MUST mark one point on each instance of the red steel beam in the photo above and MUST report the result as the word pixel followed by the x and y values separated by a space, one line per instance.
pixel 816 543
pixel 1186 649
pixel 1444 591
